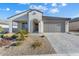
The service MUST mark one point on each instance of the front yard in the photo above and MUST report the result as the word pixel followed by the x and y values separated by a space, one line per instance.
pixel 25 44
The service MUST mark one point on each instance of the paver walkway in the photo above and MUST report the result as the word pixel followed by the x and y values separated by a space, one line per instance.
pixel 63 43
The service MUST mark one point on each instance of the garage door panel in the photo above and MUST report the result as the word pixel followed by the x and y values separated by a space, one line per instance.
pixel 53 27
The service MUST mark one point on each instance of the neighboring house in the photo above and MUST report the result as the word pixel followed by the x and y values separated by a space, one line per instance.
pixel 34 21
pixel 5 25
pixel 74 25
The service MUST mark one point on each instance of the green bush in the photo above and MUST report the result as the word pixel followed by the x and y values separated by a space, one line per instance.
pixel 2 36
pixel 14 36
pixel 18 39
pixel 21 35
pixel 5 36
pixel 23 31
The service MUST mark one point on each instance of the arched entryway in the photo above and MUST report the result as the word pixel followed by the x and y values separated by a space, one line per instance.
pixel 35 26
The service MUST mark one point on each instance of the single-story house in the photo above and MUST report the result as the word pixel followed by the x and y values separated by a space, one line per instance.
pixel 74 25
pixel 35 22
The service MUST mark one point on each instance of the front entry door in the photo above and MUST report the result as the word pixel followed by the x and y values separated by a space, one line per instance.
pixel 35 28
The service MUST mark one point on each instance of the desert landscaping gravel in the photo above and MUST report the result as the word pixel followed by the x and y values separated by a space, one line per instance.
pixel 26 49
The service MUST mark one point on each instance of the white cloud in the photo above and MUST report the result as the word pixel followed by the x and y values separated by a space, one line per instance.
pixel 39 7
pixel 18 11
pixel 7 9
pixel 23 3
pixel 54 10
pixel 64 4
pixel 54 4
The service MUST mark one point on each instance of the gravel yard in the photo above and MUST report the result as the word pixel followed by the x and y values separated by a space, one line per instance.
pixel 26 49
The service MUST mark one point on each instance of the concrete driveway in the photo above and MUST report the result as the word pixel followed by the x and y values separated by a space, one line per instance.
pixel 63 43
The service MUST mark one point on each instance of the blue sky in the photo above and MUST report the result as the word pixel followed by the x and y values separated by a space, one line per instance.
pixel 48 9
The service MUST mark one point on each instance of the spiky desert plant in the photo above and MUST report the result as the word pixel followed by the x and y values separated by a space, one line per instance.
pixel 22 34
pixel 36 44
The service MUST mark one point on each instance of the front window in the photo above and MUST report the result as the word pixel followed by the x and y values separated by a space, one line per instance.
pixel 24 26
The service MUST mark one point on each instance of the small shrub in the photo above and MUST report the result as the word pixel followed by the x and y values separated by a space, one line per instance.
pixel 23 31
pixel 9 34
pixel 21 35
pixel 36 44
pixel 14 36
pixel 26 35
pixel 5 36
pixel 18 39
pixel 2 36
